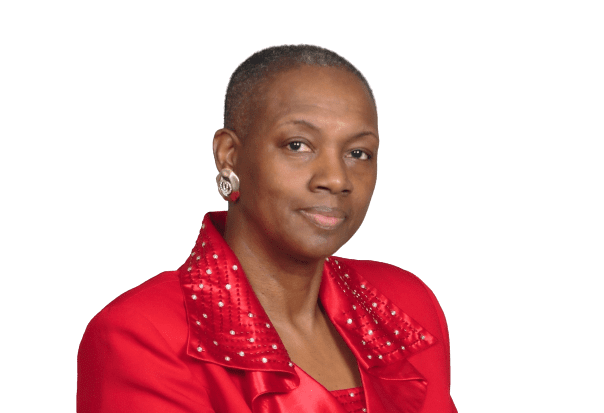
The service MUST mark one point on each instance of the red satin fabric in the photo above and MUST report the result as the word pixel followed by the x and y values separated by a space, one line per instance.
pixel 197 340
pixel 353 400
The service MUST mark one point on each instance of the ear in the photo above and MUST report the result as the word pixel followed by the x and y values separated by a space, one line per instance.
pixel 226 144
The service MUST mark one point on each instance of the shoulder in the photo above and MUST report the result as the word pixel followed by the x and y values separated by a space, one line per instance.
pixel 160 291
pixel 156 306
pixel 133 354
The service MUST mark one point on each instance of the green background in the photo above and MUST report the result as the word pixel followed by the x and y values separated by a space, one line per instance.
pixel 489 188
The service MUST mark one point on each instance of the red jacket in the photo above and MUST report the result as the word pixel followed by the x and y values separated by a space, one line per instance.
pixel 197 340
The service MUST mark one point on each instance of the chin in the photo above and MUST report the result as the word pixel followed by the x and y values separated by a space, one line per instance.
pixel 315 247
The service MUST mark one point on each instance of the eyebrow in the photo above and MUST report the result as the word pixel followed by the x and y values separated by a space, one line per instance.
pixel 314 127
pixel 302 122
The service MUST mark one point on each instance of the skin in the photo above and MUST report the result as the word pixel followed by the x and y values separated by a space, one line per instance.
pixel 308 168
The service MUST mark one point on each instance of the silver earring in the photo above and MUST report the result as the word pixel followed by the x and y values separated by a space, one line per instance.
pixel 228 185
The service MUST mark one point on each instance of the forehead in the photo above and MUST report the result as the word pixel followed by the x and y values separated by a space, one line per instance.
pixel 324 93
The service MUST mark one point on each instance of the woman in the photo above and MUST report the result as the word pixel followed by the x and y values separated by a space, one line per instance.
pixel 261 317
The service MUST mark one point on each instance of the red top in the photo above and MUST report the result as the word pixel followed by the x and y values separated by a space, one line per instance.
pixel 198 340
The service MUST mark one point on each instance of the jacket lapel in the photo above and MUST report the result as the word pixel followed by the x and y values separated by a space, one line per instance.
pixel 381 336
pixel 227 325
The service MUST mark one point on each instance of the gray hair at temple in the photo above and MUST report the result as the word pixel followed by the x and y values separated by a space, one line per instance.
pixel 244 91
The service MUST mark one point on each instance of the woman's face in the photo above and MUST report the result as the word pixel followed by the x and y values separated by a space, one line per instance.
pixel 308 165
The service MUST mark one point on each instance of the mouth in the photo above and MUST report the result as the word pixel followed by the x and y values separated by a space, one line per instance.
pixel 324 217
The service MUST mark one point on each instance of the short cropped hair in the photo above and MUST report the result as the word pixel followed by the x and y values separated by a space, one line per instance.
pixel 245 81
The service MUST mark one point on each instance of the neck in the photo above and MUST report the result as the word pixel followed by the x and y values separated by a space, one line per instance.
pixel 287 288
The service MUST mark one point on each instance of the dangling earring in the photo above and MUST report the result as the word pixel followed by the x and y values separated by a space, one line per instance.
pixel 228 185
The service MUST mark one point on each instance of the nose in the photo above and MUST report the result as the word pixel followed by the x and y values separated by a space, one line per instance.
pixel 331 174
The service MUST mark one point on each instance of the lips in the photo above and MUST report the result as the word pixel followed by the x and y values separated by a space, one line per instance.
pixel 324 217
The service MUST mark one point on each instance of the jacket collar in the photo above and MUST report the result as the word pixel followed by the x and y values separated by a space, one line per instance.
pixel 229 327
pixel 227 324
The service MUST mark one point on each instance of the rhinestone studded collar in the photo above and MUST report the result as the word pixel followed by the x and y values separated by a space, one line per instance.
pixel 229 327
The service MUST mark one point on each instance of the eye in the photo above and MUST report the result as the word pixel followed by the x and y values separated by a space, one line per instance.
pixel 359 154
pixel 298 146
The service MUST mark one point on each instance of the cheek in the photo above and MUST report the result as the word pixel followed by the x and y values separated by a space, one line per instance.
pixel 365 184
pixel 364 188
pixel 282 182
